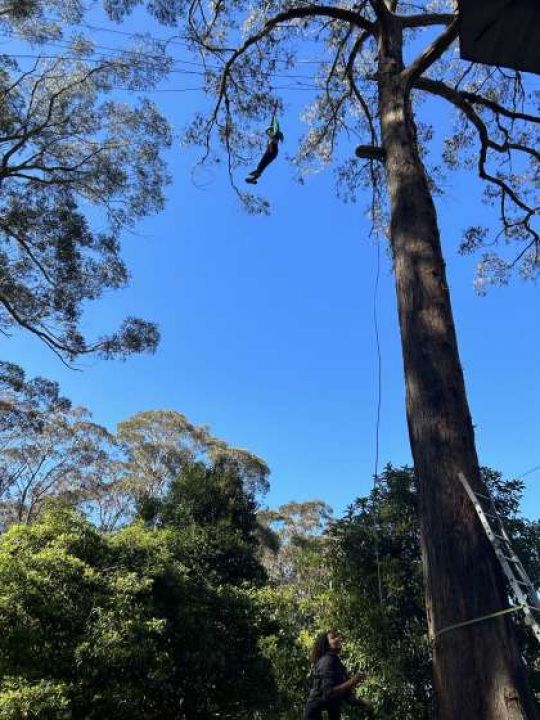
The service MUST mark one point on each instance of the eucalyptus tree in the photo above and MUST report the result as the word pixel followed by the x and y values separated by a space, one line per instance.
pixel 48 449
pixel 378 60
pixel 297 531
pixel 77 166
pixel 379 537
pixel 160 444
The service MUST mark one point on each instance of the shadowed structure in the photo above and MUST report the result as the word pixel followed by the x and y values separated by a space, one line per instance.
pixel 501 32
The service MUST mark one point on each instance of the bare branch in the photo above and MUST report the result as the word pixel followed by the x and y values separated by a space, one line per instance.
pixel 20 79
pixel 464 100
pixel 25 246
pixel 350 75
pixel 424 61
pixel 336 13
pixel 476 99
pixel 50 340
pixel 426 20
pixel 459 100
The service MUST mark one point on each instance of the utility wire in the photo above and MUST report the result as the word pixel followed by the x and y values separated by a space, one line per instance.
pixel 154 38
pixel 103 58
pixel 173 41
pixel 529 472
pixel 178 71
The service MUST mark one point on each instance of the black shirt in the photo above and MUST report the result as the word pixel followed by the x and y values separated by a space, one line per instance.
pixel 329 672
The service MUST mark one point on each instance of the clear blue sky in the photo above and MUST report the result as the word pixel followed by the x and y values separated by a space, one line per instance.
pixel 267 327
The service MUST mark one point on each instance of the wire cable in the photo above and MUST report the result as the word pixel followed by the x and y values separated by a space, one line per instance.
pixel 529 472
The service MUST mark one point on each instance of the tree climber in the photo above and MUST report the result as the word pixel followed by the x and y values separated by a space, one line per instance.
pixel 275 136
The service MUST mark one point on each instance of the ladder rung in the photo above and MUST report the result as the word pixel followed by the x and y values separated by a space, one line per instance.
pixel 522 589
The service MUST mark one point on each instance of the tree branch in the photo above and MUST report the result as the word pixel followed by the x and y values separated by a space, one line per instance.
pixel 476 99
pixel 431 54
pixel 350 75
pixel 381 10
pixel 50 340
pixel 415 21
pixel 26 247
pixel 460 100
pixel 335 13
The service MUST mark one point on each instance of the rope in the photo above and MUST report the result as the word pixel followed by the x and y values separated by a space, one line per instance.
pixel 378 421
pixel 507 611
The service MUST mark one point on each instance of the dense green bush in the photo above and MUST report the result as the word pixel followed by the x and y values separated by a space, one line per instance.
pixel 155 621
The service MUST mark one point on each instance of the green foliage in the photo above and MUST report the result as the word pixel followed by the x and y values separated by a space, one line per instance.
pixel 66 145
pixel 389 637
pixel 297 529
pixel 133 625
pixel 159 444
pixel 386 638
pixel 42 700
pixel 214 519
pixel 325 574
pixel 39 20
pixel 298 601
pixel 48 449
pixel 286 646
pixel 183 613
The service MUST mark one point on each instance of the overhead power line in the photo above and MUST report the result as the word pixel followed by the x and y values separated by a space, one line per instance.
pixel 172 40
pixel 29 56
pixel 529 472
pixel 177 71
pixel 121 51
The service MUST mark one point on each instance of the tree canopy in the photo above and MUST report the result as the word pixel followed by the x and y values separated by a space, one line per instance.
pixel 77 166
pixel 149 622
pixel 246 48
pixel 68 143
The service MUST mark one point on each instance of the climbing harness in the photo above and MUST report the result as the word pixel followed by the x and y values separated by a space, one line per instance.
pixel 521 585
pixel 273 130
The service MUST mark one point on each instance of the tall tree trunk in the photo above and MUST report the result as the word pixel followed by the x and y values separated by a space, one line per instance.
pixel 478 672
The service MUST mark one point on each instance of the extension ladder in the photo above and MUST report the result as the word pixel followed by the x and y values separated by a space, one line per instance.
pixel 520 583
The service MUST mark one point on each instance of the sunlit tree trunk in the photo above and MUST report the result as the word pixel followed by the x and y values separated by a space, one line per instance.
pixel 478 673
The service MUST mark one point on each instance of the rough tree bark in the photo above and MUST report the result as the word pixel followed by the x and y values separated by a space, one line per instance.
pixel 478 672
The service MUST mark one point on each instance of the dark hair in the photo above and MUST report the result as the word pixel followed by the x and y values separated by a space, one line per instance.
pixel 320 646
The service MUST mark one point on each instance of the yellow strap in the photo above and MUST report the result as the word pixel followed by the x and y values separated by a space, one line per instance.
pixel 477 620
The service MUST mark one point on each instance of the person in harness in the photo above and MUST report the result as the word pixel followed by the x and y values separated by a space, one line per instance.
pixel 331 686
pixel 275 136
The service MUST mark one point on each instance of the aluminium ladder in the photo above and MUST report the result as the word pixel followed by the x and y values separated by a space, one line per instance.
pixel 520 583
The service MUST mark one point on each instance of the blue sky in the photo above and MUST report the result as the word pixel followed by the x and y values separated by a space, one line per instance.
pixel 267 327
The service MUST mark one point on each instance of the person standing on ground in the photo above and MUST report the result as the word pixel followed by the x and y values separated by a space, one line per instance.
pixel 331 684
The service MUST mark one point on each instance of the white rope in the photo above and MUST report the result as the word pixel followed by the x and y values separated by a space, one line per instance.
pixel 455 626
